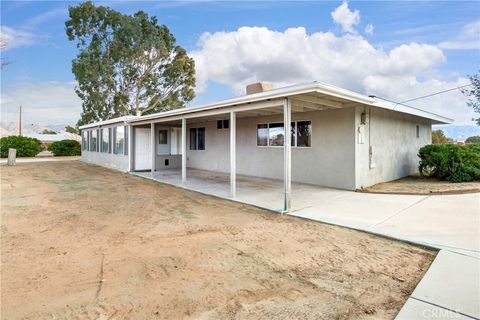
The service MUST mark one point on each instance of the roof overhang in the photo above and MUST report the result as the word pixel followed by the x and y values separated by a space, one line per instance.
pixel 304 97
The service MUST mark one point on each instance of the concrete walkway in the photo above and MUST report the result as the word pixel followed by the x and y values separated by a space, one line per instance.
pixel 450 288
pixel 41 159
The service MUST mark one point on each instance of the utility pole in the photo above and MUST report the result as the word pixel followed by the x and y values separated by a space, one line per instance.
pixel 20 123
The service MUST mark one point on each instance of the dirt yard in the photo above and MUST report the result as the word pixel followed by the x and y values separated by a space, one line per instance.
pixel 423 185
pixel 83 242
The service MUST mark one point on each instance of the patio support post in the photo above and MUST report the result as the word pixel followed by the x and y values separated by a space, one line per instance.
pixel 184 150
pixel 287 154
pixel 152 146
pixel 130 148
pixel 233 154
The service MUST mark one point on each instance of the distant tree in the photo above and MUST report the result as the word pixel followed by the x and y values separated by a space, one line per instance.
pixel 71 129
pixel 48 131
pixel 127 64
pixel 438 137
pixel 474 95
pixel 3 46
pixel 472 140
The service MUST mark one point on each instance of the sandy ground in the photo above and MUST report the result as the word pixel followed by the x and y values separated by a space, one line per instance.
pixel 423 185
pixel 83 242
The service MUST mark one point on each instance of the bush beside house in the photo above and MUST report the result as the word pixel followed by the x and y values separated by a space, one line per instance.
pixel 65 148
pixel 26 147
pixel 451 162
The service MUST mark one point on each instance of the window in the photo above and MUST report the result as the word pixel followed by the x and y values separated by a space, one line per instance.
pixel 272 134
pixel 201 138
pixel 262 135
pixel 105 140
pixel 119 133
pixel 223 124
pixel 304 134
pixel 84 140
pixel 275 134
pixel 417 131
pixel 163 137
pixel 193 138
pixel 93 140
pixel 197 138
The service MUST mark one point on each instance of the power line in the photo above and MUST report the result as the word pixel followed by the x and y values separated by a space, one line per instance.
pixel 435 93
pixel 418 98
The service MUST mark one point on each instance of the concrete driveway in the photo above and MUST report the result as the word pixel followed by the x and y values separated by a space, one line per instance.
pixel 443 221
pixel 451 287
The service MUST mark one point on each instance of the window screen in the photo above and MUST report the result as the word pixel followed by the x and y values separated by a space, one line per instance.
pixel 93 140
pixel 119 140
pixel 193 138
pixel 105 140
pixel 163 136
pixel 201 138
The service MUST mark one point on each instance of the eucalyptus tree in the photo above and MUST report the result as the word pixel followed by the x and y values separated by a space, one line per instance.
pixel 127 64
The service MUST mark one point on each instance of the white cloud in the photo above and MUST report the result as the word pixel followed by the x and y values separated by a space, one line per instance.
pixel 252 54
pixel 345 18
pixel 14 38
pixel 469 38
pixel 369 29
pixel 42 102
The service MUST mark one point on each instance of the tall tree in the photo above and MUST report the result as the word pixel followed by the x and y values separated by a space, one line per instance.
pixel 438 137
pixel 474 95
pixel 127 64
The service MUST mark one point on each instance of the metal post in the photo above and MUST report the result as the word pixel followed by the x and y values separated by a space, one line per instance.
pixel 152 146
pixel 287 154
pixel 184 150
pixel 233 143
pixel 130 147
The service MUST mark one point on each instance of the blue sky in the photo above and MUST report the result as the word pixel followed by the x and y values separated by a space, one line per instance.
pixel 412 48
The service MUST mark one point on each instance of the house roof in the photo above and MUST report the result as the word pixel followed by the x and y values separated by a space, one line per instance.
pixel 53 137
pixel 315 88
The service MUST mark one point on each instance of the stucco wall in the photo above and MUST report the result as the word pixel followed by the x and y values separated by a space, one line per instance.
pixel 109 160
pixel 392 136
pixel 329 162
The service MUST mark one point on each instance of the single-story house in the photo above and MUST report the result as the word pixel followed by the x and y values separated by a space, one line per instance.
pixel 337 138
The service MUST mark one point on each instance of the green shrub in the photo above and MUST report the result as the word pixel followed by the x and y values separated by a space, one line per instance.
pixel 450 162
pixel 65 148
pixel 26 147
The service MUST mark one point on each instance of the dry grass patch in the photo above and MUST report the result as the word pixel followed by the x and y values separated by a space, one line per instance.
pixel 80 241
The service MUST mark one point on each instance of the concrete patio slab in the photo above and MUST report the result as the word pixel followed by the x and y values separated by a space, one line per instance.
pixel 452 282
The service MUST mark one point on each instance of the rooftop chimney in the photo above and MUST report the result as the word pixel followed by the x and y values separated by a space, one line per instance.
pixel 258 87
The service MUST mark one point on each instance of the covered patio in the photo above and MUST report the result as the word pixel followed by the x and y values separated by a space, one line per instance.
pixel 267 180
pixel 257 191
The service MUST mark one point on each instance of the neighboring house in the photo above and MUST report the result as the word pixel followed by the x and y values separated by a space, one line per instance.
pixel 46 139
pixel 337 138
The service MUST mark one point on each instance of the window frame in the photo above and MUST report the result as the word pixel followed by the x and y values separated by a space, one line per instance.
pixel 90 145
pixel 295 136
pixel 160 133
pixel 84 140
pixel 223 124
pixel 114 143
pixel 195 147
pixel 102 130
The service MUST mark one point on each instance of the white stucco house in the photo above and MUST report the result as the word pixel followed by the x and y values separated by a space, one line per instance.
pixel 337 138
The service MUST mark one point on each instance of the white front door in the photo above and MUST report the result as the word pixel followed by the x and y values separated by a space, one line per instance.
pixel 143 156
